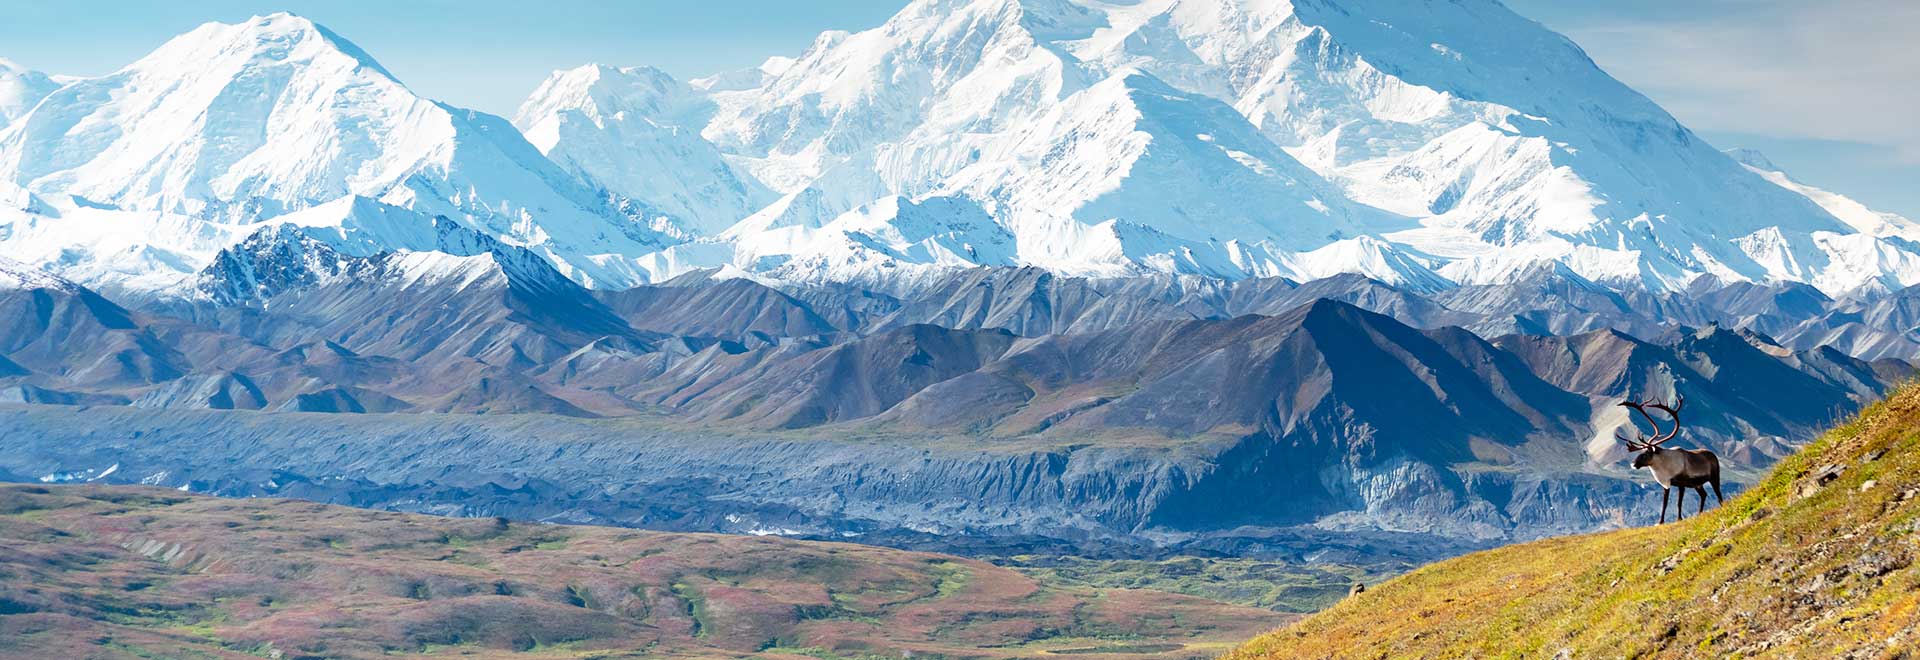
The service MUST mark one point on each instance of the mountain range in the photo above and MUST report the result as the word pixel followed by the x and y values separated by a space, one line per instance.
pixel 1015 411
pixel 1427 145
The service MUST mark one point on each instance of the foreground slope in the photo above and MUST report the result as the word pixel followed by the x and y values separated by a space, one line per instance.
pixel 1814 562
pixel 114 572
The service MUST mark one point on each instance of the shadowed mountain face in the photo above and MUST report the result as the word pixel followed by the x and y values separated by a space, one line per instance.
pixel 701 307
pixel 788 387
pixel 78 337
pixel 996 410
pixel 371 335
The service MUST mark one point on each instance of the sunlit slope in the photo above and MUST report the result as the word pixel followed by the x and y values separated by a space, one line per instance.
pixel 1816 561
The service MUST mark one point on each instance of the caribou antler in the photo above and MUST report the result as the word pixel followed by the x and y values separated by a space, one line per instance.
pixel 1631 445
pixel 1674 412
pixel 1641 407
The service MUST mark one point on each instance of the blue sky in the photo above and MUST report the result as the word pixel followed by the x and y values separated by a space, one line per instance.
pixel 1828 90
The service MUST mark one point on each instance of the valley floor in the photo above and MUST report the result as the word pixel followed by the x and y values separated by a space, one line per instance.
pixel 135 572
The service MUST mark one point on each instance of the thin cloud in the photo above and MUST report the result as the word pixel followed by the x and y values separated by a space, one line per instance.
pixel 1844 70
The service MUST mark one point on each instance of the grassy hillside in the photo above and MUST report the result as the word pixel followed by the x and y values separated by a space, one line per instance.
pixel 133 572
pixel 1814 562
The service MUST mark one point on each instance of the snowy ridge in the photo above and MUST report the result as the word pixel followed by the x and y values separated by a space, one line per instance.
pixel 16 275
pixel 20 89
pixel 132 253
pixel 1855 214
pixel 356 238
pixel 635 132
pixel 1423 144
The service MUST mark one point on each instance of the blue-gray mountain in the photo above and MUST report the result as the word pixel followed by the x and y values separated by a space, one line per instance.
pixel 996 410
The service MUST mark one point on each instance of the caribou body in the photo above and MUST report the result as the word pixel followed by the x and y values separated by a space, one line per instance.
pixel 1673 468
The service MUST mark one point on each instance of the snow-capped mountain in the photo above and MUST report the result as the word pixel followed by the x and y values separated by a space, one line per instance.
pixel 1228 137
pixel 229 126
pixel 1424 144
pixel 1846 209
pixel 1881 255
pixel 20 88
pixel 636 132
pixel 1095 171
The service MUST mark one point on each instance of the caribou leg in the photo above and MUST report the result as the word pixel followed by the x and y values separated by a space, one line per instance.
pixel 1702 492
pixel 1679 504
pixel 1665 494
pixel 1717 499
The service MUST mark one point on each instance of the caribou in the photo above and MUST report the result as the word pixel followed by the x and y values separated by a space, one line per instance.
pixel 1672 468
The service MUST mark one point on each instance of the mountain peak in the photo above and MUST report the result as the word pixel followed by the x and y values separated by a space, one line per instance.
pixel 1751 158
pixel 281 20
pixel 635 131
pixel 20 89
pixel 234 125
pixel 602 93
pixel 270 39
pixel 598 73
pixel 9 67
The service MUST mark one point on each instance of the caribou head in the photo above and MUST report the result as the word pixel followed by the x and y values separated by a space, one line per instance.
pixel 1672 468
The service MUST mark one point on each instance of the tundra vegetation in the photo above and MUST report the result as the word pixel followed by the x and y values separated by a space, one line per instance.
pixel 132 572
pixel 1816 561
pixel 1286 586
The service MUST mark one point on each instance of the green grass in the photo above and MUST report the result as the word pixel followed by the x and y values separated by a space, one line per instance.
pixel 696 608
pixel 1273 585
pixel 822 654
pixel 1119 648
pixel 952 579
